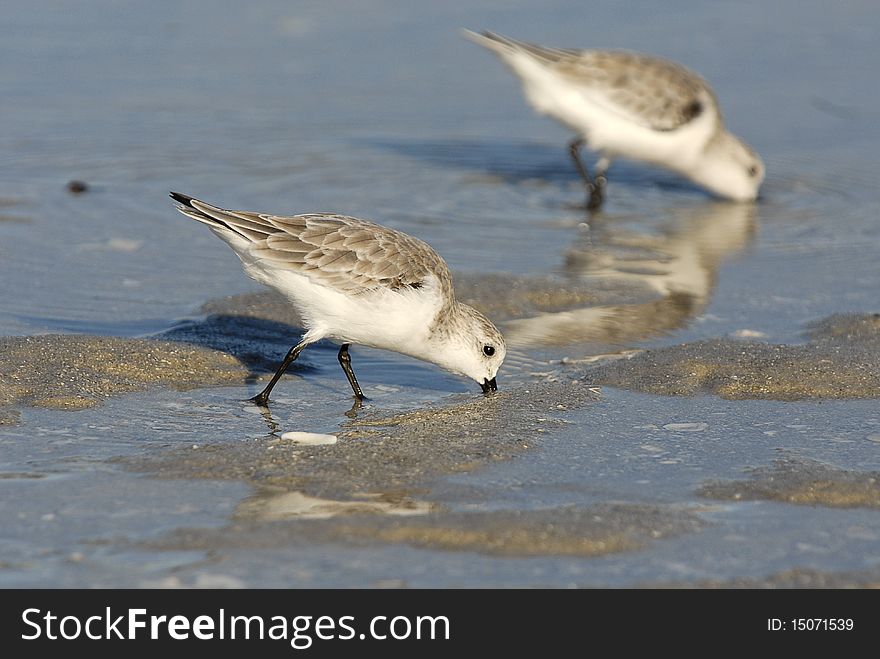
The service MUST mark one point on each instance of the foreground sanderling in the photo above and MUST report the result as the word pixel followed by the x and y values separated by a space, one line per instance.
pixel 630 105
pixel 353 281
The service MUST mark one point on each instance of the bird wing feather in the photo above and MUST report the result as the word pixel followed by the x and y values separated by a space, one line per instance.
pixel 348 254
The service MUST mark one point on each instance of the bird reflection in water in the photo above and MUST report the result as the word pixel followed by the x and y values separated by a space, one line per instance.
pixel 673 270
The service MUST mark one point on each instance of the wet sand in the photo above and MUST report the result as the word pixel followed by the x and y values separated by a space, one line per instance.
pixel 69 372
pixel 841 360
pixel 802 482
pixel 594 531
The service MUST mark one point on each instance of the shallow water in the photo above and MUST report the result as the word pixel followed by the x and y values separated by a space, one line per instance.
pixel 387 113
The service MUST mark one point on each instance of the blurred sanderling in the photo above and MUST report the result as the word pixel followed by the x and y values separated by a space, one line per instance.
pixel 630 105
pixel 354 281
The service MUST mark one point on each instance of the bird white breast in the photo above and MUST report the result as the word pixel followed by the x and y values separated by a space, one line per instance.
pixel 398 320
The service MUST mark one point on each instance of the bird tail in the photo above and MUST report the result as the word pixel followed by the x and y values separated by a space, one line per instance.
pixel 226 224
pixel 505 47
pixel 186 205
pixel 494 42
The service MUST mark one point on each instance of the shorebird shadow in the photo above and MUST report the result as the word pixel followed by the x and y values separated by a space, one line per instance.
pixel 258 343
pixel 521 161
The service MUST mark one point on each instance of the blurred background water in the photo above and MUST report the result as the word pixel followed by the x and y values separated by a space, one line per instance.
pixel 383 111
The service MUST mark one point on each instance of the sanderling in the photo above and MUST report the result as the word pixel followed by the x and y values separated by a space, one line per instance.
pixel 354 281
pixel 630 105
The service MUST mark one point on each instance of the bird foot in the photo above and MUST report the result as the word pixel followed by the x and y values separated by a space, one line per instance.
pixel 596 194
pixel 260 400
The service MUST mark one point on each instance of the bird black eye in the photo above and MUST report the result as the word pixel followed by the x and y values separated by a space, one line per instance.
pixel 753 171
pixel 488 350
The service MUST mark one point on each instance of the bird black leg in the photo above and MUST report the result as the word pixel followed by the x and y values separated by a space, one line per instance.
pixel 595 188
pixel 262 398
pixel 574 150
pixel 345 362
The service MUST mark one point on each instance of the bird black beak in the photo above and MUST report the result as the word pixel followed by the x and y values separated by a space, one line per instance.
pixel 489 386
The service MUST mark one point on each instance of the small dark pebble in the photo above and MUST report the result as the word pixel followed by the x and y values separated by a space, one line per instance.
pixel 77 187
